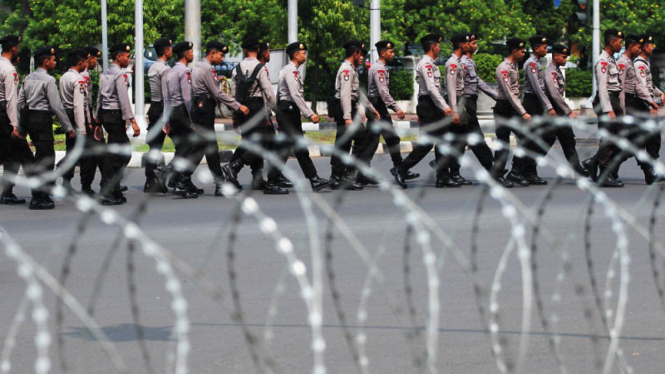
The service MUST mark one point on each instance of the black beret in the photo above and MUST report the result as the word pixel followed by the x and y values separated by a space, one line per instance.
pixel 354 44
pixel 431 38
pixel 264 46
pixel 121 47
pixel 250 42
pixel 632 39
pixel 473 37
pixel 613 32
pixel 515 43
pixel 9 41
pixel 460 38
pixel 80 52
pixel 538 39
pixel 163 43
pixel 216 46
pixel 648 39
pixel 45 50
pixel 94 52
pixel 384 44
pixel 297 46
pixel 182 47
pixel 561 49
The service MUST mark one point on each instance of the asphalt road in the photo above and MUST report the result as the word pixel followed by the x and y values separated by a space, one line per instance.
pixel 197 232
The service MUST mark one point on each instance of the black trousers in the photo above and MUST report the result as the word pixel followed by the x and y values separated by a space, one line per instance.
pixel 482 151
pixel 39 126
pixel 641 139
pixel 187 145
pixel 117 135
pixel 607 150
pixel 88 161
pixel 534 107
pixel 155 138
pixel 348 138
pixel 503 110
pixel 376 129
pixel 289 120
pixel 262 134
pixel 432 118
pixel 14 152
pixel 203 117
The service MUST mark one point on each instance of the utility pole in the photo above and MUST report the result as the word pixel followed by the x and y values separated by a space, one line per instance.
pixel 105 38
pixel 139 99
pixel 375 28
pixel 193 25
pixel 595 51
pixel 293 21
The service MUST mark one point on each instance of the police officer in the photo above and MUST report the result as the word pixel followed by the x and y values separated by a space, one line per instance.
pixel 472 84
pixel 508 106
pixel 38 99
pixel 536 103
pixel 432 110
pixel 155 137
pixel 378 93
pixel 14 150
pixel 555 83
pixel 114 108
pixel 178 99
pixel 643 72
pixel 252 87
pixel 291 106
pixel 206 93
pixel 74 91
pixel 608 106
pixel 95 133
pixel 344 110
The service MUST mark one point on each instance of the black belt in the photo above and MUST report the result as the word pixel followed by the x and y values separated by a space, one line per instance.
pixel 38 111
pixel 203 98
pixel 112 110
pixel 530 94
pixel 157 102
pixel 470 96
pixel 614 93
pixel 353 102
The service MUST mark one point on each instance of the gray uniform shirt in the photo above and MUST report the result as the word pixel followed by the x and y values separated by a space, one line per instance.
pixel 631 85
pixel 157 77
pixel 204 83
pixel 39 92
pixel 179 86
pixel 74 90
pixel 454 80
pixel 508 77
pixel 429 81
pixel 290 88
pixel 88 97
pixel 534 81
pixel 608 78
pixel 643 72
pixel 472 82
pixel 379 85
pixel 114 91
pixel 555 83
pixel 9 89
pixel 262 87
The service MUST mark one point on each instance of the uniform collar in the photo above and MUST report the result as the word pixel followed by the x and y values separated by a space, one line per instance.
pixel 180 63
pixel 611 57
pixel 453 55
pixel 513 64
pixel 73 71
pixel 379 63
pixel 250 59
pixel 348 63
pixel 41 71
pixel 205 61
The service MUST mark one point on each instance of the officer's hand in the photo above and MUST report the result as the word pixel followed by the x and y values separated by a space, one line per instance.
pixel 662 98
pixel 456 119
pixel 612 115
pixel 17 134
pixel 655 106
pixel 135 127
pixel 377 116
pixel 400 114
pixel 72 134
pixel 552 112
pixel 526 116
pixel 348 122
pixel 448 112
pixel 244 109
pixel 99 133
pixel 364 118
pixel 315 118
pixel 167 128
pixel 572 115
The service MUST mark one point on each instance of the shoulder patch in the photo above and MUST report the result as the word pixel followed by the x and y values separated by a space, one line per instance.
pixel 126 79
pixel 622 67
pixel 16 79
pixel 189 77
pixel 533 67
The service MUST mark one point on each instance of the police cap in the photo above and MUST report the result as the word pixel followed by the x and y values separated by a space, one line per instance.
pixel 163 43
pixel 216 46
pixel 297 46
pixel 460 38
pixel 120 47
pixel 561 49
pixel 250 42
pixel 538 40
pixel 515 43
pixel 45 50
pixel 355 45
pixel 182 47
pixel 634 39
pixel 94 52
pixel 9 41
pixel 384 44
pixel 613 33
pixel 430 38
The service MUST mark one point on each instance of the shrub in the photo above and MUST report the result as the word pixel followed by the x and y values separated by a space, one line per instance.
pixel 578 83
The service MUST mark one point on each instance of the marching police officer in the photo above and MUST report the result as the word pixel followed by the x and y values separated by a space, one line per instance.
pixel 206 93
pixel 155 136
pixel 14 150
pixel 643 71
pixel 345 108
pixel 95 134
pixel 74 91
pixel 608 106
pixel 555 83
pixel 37 101
pixel 253 88
pixel 508 106
pixel 114 108
pixel 291 106
pixel 432 109
pixel 378 93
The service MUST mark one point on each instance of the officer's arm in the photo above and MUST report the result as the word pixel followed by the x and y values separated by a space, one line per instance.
pixel 163 79
pixel 345 95
pixel 450 86
pixel 213 88
pixel 641 87
pixel 432 90
pixel 533 74
pixel 266 87
pixel 123 97
pixel 552 86
pixel 56 105
pixel 233 83
pixel 384 90
pixel 11 96
pixel 365 101
pixel 79 103
pixel 294 91
pixel 186 90
pixel 505 87
pixel 603 95
pixel 22 100
pixel 486 88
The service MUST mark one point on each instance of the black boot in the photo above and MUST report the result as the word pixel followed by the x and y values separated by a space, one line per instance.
pixel 345 182
pixel 274 189
pixel 283 182
pixel 400 176
pixel 219 187
pixel 318 184
pixel 231 171
pixel 366 180
pixel 443 180
pixel 608 180
pixel 505 183
pixel 516 177
pixel 118 195
pixel 185 188
pixel 39 202
pixel 8 198
pixel 591 167
pixel 534 179
pixel 407 176
pixel 458 178
pixel 87 190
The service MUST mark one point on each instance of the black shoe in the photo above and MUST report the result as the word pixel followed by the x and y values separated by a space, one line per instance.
pixel 273 189
pixel 10 199
pixel 447 183
pixel 38 203
pixel 399 177
pixel 184 189
pixel 457 177
pixel 651 177
pixel 318 184
pixel 193 188
pixel 219 187
pixel 611 182
pixel 505 183
pixel 517 178
pixel 122 188
pixel 367 180
pixel 153 185
pixel 345 183
pixel 87 190
pixel 283 182
pixel 173 181
pixel 535 180
pixel 591 167
pixel 231 176
pixel 258 183
pixel 109 200
pixel 159 181
pixel 118 195
pixel 408 176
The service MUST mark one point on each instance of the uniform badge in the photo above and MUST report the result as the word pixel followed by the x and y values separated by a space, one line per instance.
pixel 87 79
pixel 189 77
pixel 622 67
pixel 346 74
pixel 603 67
pixel 16 79
pixel 429 70
pixel 643 74
pixel 506 78
pixel 296 76
pixel 453 67
pixel 533 67
pixel 554 79
pixel 126 80
pixel 267 73
pixel 382 77
pixel 214 73
pixel 82 86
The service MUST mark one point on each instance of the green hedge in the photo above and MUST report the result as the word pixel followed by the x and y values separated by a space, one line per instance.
pixel 401 84
pixel 486 65
pixel 578 83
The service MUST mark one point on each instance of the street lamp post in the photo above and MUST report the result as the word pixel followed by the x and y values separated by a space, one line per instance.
pixel 193 25
pixel 105 38
pixel 139 100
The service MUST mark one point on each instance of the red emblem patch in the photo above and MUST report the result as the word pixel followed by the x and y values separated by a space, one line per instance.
pixel 603 67
pixel 642 72
pixel 622 67
pixel 453 67
pixel 554 78
pixel 82 86
pixel 506 78
pixel 346 74
pixel 382 76
pixel 16 79
pixel 533 67
pixel 189 77
pixel 296 76
pixel 126 80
